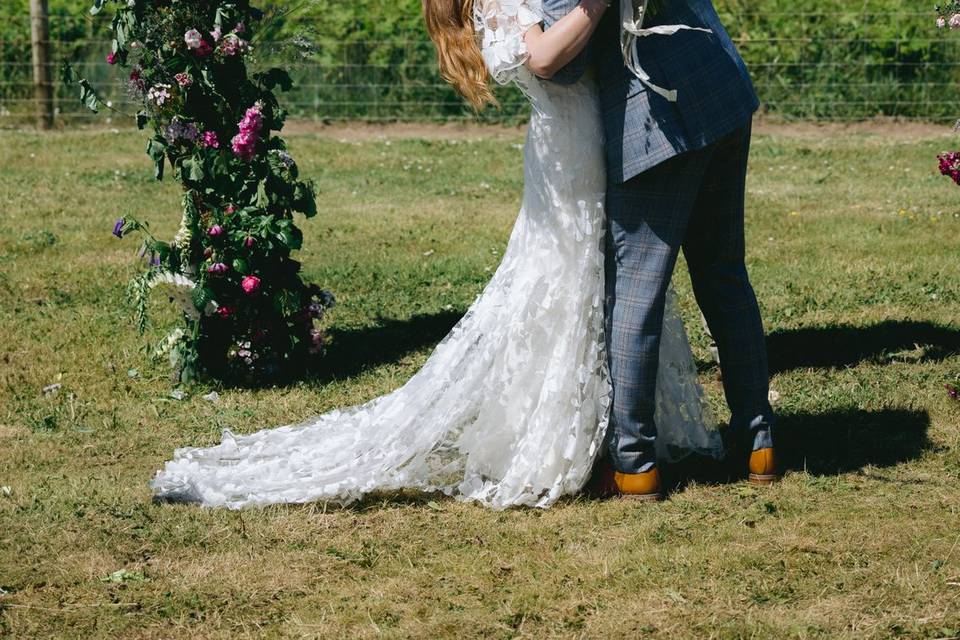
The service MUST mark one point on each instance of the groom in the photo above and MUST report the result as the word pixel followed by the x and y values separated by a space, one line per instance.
pixel 676 174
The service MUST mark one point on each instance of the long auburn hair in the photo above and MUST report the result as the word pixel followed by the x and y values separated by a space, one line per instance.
pixel 450 25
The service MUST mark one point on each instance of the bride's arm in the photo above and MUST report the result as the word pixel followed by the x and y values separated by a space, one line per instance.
pixel 551 50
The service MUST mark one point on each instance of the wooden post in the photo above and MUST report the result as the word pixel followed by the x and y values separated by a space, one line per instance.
pixel 40 39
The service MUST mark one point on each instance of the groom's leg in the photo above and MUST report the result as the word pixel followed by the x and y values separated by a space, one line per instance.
pixel 714 250
pixel 647 219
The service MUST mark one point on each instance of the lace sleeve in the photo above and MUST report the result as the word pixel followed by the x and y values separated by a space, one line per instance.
pixel 501 25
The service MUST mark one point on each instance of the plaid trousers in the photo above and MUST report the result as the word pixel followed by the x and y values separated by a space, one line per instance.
pixel 693 201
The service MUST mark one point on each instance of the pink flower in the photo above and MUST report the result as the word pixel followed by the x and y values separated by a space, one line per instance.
pixel 954 21
pixel 218 268
pixel 230 209
pixel 215 34
pixel 239 28
pixel 950 165
pixel 244 144
pixel 250 285
pixel 226 312
pixel 249 242
pixel 193 39
pixel 209 139
pixel 112 58
pixel 232 45
pixel 183 79
pixel 215 231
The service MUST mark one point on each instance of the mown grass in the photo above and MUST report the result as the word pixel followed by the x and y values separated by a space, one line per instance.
pixel 853 250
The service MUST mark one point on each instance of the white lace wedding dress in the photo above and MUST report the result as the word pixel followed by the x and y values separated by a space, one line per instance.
pixel 511 408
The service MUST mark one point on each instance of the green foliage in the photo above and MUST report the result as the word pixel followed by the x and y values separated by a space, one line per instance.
pixel 372 58
pixel 247 315
pixel 809 60
pixel 831 60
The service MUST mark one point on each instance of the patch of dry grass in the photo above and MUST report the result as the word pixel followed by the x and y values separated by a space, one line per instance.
pixel 852 248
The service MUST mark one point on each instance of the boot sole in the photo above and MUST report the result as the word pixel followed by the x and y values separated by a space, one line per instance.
pixel 763 479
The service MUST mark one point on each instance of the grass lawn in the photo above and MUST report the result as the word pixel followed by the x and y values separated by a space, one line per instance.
pixel 852 246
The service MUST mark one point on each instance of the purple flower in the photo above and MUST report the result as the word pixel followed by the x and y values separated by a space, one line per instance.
pixel 179 130
pixel 218 268
pixel 215 231
pixel 118 227
pixel 249 242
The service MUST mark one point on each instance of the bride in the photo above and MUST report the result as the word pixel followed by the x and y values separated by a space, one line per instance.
pixel 512 406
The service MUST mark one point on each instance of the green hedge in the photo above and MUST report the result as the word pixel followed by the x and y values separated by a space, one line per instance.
pixel 370 59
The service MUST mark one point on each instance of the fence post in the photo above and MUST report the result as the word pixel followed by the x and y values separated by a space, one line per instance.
pixel 40 40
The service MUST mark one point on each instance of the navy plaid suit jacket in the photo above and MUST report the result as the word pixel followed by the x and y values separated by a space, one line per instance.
pixel 715 94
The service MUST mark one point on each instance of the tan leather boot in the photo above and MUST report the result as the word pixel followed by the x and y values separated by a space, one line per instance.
pixel 644 486
pixel 763 467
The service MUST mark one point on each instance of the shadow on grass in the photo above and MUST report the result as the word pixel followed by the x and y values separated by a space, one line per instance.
pixel 822 444
pixel 353 351
pixel 842 346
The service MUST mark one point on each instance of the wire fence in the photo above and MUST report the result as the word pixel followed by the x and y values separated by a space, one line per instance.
pixel 836 66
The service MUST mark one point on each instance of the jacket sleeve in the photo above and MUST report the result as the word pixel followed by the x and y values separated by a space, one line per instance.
pixel 553 10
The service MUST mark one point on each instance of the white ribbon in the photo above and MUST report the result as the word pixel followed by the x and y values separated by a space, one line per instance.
pixel 631 24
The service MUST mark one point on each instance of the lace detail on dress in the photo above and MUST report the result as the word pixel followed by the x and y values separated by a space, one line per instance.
pixel 501 26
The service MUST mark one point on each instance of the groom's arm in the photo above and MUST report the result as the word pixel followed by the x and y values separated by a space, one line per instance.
pixel 554 10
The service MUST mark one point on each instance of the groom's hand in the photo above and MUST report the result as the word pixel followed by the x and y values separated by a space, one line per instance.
pixel 553 10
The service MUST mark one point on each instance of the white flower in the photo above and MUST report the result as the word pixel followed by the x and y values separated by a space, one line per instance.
pixel 193 39
pixel 168 343
pixel 180 290
pixel 955 21
pixel 941 22
pixel 173 279
pixel 158 94
pixel 182 239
